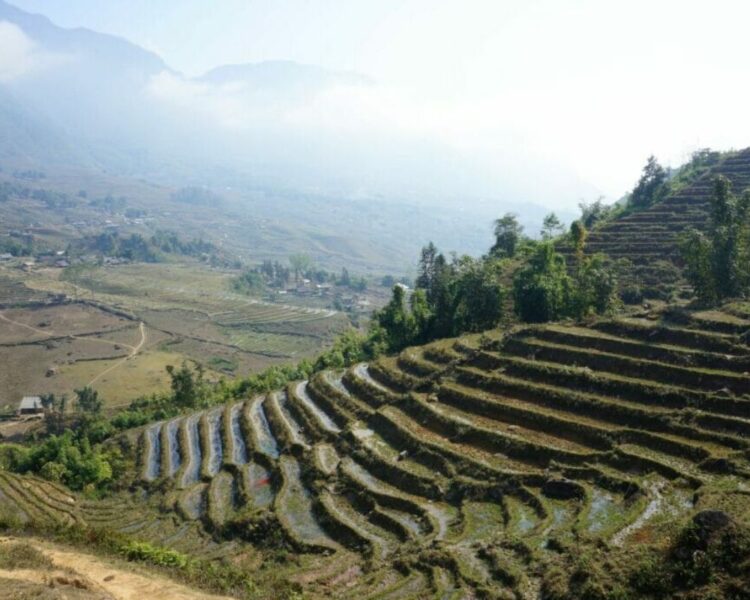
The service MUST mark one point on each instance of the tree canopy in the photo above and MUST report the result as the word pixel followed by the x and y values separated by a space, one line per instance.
pixel 718 260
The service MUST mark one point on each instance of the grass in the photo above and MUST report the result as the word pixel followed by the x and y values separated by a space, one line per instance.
pixel 190 313
pixel 21 555
pixel 145 373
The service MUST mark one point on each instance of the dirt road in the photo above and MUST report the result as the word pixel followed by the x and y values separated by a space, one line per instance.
pixel 134 350
pixel 113 581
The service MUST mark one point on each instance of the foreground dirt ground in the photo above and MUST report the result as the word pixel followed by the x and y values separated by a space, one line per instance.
pixel 77 575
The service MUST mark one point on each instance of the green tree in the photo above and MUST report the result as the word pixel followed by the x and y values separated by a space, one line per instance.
pixel 551 226
pixel 300 264
pixel 541 290
pixel 508 234
pixel 396 321
pixel 345 278
pixel 595 289
pixel 478 295
pixel 718 262
pixel 88 401
pixel 188 387
pixel 48 401
pixel 696 250
pixel 651 187
pixel 71 459
pixel 594 212
pixel 428 264
pixel 249 282
pixel 578 235
pixel 422 316
pixel 54 417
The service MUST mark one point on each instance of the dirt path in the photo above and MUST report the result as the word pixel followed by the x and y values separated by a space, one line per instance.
pixel 51 333
pixel 117 582
pixel 134 350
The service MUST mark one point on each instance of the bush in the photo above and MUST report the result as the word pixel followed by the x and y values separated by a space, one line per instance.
pixel 162 557
pixel 71 460
pixel 632 294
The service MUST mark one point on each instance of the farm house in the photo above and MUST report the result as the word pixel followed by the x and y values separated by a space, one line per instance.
pixel 30 405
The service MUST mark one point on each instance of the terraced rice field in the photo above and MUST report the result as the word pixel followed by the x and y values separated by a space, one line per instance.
pixel 442 470
pixel 545 433
pixel 649 238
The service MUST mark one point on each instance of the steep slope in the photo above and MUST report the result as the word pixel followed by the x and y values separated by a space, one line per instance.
pixel 463 467
pixel 649 238
pixel 547 433
pixel 30 140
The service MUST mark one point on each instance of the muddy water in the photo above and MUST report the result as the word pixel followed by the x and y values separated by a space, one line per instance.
pixel 296 430
pixel 266 442
pixel 523 518
pixel 443 515
pixel 484 520
pixel 363 475
pixel 601 510
pixel 223 495
pixel 296 504
pixel 240 448
pixel 362 372
pixel 335 381
pixel 214 440
pixel 153 460
pixel 407 520
pixel 324 419
pixel 260 485
pixel 175 459
pixel 193 470
pixel 194 501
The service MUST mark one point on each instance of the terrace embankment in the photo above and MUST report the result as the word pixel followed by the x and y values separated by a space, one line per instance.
pixel 543 434
pixel 456 467
pixel 649 239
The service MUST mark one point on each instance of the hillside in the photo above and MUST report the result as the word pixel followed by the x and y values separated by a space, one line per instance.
pixel 483 466
pixel 649 238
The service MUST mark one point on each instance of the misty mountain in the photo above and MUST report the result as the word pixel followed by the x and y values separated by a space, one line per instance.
pixel 28 139
pixel 109 51
pixel 86 98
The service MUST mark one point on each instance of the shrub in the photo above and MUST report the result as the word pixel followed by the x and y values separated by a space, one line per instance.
pixel 632 294
pixel 162 557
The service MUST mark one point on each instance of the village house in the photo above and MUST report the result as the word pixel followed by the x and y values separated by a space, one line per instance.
pixel 30 405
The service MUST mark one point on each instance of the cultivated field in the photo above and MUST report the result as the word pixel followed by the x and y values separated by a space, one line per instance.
pixel 649 239
pixel 116 328
pixel 458 467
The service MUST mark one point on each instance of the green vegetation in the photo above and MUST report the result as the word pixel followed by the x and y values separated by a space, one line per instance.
pixel 250 282
pixel 708 559
pixel 718 261
pixel 508 234
pixel 469 295
pixel 651 187
pixel 70 459
pixel 137 248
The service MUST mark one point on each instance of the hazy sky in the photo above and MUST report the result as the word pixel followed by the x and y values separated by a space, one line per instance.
pixel 594 85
